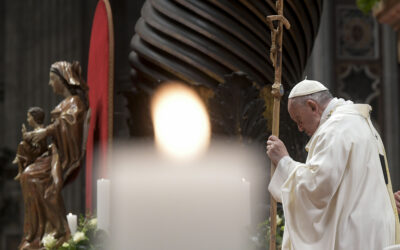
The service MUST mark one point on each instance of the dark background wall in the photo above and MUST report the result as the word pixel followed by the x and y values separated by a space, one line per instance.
pixel 126 13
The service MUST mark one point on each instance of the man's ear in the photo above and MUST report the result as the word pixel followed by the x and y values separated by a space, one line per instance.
pixel 312 104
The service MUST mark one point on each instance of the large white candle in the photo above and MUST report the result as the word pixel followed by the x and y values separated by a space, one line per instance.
pixel 196 205
pixel 103 204
pixel 72 222
pixel 190 196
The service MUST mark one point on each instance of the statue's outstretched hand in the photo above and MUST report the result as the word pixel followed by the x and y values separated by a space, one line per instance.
pixel 26 136
pixel 276 150
pixel 38 135
pixel 23 129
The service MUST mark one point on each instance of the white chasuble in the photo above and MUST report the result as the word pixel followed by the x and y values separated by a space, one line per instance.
pixel 338 199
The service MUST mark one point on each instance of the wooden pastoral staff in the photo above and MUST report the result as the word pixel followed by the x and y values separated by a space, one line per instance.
pixel 100 81
pixel 45 169
pixel 277 92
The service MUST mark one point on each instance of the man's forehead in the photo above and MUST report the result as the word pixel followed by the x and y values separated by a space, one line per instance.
pixel 291 107
pixel 294 106
pixel 291 103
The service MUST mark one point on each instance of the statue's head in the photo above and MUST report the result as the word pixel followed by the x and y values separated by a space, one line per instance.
pixel 66 77
pixel 35 116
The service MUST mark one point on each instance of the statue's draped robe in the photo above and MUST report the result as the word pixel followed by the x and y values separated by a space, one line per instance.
pixel 27 151
pixel 338 199
pixel 42 181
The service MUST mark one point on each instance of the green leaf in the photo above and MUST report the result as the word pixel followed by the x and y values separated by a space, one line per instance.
pixel 366 5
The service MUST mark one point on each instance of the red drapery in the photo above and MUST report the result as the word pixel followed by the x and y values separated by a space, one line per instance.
pixel 100 81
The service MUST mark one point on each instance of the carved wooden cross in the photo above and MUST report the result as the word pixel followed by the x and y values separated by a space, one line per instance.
pixel 277 92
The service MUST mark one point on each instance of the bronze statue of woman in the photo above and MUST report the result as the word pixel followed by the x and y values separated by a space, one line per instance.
pixel 43 180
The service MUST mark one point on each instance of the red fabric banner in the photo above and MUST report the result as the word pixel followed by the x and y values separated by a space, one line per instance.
pixel 100 81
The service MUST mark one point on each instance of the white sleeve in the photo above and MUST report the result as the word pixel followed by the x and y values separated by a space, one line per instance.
pixel 308 190
pixel 285 166
pixel 313 184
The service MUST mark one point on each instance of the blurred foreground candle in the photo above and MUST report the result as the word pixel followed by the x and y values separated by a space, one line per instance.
pixel 394 247
pixel 193 195
pixel 180 121
pixel 103 204
pixel 72 222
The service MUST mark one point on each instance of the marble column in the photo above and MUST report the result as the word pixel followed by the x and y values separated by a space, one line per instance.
pixel 391 103
pixel 319 66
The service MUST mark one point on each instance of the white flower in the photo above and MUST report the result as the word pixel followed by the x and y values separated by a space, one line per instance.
pixel 278 220
pixel 93 223
pixel 254 239
pixel 65 244
pixel 49 241
pixel 79 236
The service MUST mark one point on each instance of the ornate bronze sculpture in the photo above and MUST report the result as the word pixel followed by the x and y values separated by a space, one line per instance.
pixel 43 179
pixel 203 42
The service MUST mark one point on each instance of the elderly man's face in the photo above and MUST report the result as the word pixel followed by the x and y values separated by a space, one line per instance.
pixel 306 115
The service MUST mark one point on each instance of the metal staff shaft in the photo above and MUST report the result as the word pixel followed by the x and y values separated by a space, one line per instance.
pixel 277 92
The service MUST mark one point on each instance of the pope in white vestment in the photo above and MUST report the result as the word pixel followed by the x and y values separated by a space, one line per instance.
pixel 338 198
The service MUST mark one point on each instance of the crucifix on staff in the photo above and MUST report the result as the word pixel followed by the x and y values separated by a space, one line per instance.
pixel 277 92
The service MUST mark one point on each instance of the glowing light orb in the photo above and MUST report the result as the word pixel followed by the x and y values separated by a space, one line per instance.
pixel 180 120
